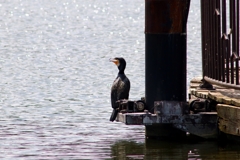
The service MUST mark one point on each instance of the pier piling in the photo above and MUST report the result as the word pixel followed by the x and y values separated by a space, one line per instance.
pixel 165 50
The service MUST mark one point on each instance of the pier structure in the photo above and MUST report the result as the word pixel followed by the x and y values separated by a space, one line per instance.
pixel 213 100
pixel 220 61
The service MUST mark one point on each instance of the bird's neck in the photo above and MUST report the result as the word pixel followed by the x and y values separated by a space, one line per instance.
pixel 121 69
pixel 121 72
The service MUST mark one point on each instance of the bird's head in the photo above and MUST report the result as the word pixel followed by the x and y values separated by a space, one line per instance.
pixel 120 63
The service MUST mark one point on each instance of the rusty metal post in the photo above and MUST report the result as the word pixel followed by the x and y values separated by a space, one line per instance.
pixel 165 50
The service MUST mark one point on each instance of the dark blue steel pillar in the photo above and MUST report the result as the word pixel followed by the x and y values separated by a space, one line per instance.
pixel 165 50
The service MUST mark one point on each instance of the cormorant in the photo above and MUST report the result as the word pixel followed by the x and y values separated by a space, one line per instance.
pixel 121 86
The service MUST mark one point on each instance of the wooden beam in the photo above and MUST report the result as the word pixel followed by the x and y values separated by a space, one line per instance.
pixel 229 119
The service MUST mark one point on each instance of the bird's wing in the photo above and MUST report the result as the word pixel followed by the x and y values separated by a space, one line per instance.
pixel 125 88
pixel 114 93
pixel 120 90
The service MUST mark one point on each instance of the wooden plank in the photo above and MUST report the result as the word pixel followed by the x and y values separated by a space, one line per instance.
pixel 194 85
pixel 215 96
pixel 228 112
pixel 192 91
pixel 218 97
pixel 192 98
pixel 227 100
pixel 131 118
pixel 236 102
pixel 196 80
pixel 231 93
pixel 229 119
pixel 202 93
pixel 229 127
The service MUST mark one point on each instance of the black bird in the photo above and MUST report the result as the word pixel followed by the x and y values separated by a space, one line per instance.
pixel 121 86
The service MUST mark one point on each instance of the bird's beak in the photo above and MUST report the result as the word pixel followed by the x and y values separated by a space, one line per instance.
pixel 114 61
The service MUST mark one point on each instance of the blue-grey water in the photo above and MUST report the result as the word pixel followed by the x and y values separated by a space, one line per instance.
pixel 56 80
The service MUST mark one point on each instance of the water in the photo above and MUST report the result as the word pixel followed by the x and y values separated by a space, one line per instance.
pixel 56 80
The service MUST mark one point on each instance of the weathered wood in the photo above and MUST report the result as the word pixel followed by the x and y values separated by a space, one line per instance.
pixel 199 93
pixel 202 93
pixel 219 95
pixel 194 85
pixel 193 91
pixel 228 109
pixel 229 119
pixel 131 118
pixel 231 95
pixel 228 112
pixel 229 127
pixel 236 102
pixel 213 95
pixel 196 80
pixel 227 100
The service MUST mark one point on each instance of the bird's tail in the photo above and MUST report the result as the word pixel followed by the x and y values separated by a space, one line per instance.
pixel 114 114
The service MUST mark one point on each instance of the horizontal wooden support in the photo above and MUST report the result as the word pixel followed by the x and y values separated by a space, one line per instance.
pixel 131 118
pixel 229 127
pixel 229 112
pixel 229 119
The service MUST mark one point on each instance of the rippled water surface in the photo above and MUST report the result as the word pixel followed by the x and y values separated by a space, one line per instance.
pixel 56 79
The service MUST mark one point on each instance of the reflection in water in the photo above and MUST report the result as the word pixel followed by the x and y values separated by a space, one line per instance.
pixel 128 149
pixel 166 150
